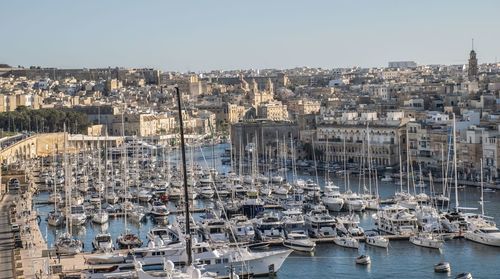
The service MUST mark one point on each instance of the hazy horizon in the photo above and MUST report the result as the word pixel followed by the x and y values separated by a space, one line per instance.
pixel 228 35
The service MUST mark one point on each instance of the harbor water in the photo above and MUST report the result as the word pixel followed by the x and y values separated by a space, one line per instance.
pixel 401 260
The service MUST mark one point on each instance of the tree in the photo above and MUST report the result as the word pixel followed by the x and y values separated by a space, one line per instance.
pixel 49 120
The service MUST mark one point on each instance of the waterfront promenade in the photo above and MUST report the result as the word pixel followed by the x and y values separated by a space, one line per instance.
pixel 6 239
pixel 26 262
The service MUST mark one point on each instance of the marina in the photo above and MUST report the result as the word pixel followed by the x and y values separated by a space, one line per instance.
pixel 331 250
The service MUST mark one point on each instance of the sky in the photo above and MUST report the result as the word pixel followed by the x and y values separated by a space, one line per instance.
pixel 184 35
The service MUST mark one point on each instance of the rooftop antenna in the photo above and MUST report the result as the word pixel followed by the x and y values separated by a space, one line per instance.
pixel 472 43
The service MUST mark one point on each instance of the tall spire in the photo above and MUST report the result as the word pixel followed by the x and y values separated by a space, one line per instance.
pixel 472 71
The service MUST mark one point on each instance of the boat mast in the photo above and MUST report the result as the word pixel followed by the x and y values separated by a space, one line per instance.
pixel 400 164
pixel 455 160
pixel 345 167
pixel 482 189
pixel 66 184
pixel 407 161
pixel 124 164
pixel 184 171
pixel 443 181
pixel 369 157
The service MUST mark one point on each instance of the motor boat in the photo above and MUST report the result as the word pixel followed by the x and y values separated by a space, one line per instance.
pixel 128 240
pixel 464 275
pixel 387 178
pixel 299 241
pixel 396 220
pixel 207 192
pixel 346 241
pixel 215 230
pixel 354 202
pixel 441 199
pixel 100 217
pixel 216 260
pixel 427 240
pixel 363 260
pixel 320 223
pixel 244 261
pixel 489 235
pixel 269 227
pixel 144 196
pixel 252 205
pixel 349 225
pixel 159 209
pixel 332 198
pixel 169 272
pixel 242 229
pixel 293 219
pixel 105 258
pixel 278 179
pixel 55 198
pixel 377 241
pixel 442 267
pixel 78 216
pixel 102 242
pixel 371 201
pixel 55 218
pixel 112 198
pixel 67 245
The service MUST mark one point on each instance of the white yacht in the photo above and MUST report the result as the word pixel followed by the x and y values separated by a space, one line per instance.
pixel 347 242
pixel 427 240
pixel 332 198
pixel 489 235
pixel 269 227
pixel 102 242
pixel 112 197
pixel 128 240
pixel 77 215
pixel 387 178
pixel 277 179
pixel 320 223
pixel 349 225
pixel 100 217
pixel 293 219
pixel 206 192
pixel 299 241
pixel 377 241
pixel 55 198
pixel 215 230
pixel 396 220
pixel 363 260
pixel 353 201
pixel 442 267
pixel 242 229
pixel 169 272
pixel 67 245
pixel 144 195
pixel 159 209
pixel 166 234
pixel 55 218
pixel 406 200
pixel 244 261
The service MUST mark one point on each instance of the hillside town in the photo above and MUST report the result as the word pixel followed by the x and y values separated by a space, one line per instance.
pixel 404 108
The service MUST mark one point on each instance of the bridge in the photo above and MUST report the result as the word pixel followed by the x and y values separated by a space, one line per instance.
pixel 21 147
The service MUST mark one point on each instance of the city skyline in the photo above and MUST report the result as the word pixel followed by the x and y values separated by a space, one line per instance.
pixel 225 35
